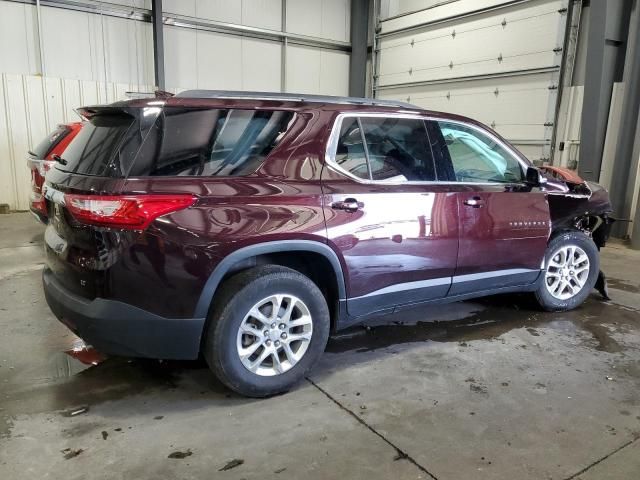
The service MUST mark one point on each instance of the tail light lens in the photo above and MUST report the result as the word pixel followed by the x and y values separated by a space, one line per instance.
pixel 38 203
pixel 131 212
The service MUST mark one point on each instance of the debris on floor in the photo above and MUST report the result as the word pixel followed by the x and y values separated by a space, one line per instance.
pixel 71 452
pixel 236 462
pixel 72 412
pixel 180 455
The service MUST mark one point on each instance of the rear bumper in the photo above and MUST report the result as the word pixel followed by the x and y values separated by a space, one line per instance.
pixel 116 328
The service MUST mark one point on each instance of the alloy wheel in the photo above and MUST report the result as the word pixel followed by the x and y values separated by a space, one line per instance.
pixel 275 334
pixel 567 272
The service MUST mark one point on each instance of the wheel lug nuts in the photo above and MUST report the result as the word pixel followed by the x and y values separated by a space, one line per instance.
pixel 283 336
pixel 273 325
pixel 281 326
pixel 268 342
pixel 266 333
pixel 277 343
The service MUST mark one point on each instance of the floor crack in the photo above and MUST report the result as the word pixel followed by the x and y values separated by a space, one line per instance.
pixel 401 454
pixel 600 460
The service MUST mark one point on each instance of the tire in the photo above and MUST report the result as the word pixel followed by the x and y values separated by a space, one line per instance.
pixel 553 296
pixel 236 298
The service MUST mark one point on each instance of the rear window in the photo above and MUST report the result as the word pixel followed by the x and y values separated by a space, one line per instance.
pixel 41 150
pixel 102 147
pixel 211 142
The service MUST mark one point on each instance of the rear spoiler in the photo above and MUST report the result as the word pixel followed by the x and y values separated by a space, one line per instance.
pixel 88 112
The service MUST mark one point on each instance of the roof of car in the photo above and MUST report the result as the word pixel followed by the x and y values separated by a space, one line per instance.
pixel 293 97
pixel 273 100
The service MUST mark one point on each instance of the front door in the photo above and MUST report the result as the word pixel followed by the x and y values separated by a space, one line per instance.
pixel 504 224
pixel 396 229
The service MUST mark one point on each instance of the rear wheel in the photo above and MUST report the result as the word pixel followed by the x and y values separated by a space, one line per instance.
pixel 571 270
pixel 268 327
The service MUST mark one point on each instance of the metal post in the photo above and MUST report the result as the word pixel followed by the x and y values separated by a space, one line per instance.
pixel 375 58
pixel 359 45
pixel 606 34
pixel 285 44
pixel 40 43
pixel 633 190
pixel 158 42
pixel 566 72
pixel 623 181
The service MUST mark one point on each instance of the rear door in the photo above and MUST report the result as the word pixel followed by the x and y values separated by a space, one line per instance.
pixel 395 227
pixel 504 224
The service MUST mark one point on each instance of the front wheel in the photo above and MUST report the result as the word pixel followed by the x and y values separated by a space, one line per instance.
pixel 571 271
pixel 268 327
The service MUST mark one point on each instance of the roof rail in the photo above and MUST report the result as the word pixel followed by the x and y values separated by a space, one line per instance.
pixel 294 97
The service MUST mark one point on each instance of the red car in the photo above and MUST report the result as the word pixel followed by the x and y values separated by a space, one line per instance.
pixel 247 227
pixel 40 160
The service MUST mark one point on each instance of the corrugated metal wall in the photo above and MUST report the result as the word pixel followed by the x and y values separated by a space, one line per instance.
pixel 90 46
pixel 92 58
pixel 31 106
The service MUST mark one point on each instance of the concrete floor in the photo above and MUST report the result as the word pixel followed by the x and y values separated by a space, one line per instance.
pixel 499 390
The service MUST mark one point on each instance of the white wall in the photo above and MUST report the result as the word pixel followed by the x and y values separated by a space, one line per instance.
pixel 204 59
pixel 76 45
pixel 91 58
pixel 31 107
pixel 89 46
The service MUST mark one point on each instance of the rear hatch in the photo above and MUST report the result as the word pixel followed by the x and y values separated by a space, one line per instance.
pixel 129 165
pixel 80 248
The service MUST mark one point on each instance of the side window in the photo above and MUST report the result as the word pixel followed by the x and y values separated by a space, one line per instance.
pixel 477 157
pixel 211 142
pixel 350 154
pixel 398 149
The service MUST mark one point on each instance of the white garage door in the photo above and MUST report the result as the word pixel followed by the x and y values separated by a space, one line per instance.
pixel 498 62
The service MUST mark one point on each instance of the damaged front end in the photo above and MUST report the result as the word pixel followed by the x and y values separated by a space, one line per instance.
pixel 577 204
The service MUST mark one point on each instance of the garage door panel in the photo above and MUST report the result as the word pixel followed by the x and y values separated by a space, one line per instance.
pixel 500 66
pixel 474 47
pixel 501 100
pixel 531 151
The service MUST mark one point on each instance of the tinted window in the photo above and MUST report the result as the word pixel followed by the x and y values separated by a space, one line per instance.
pixel 477 157
pixel 350 153
pixel 102 146
pixel 398 149
pixel 45 146
pixel 211 142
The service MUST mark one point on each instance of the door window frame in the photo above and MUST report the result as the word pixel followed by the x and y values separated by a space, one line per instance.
pixel 334 138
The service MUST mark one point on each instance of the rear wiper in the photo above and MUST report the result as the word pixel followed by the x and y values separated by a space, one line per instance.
pixel 59 159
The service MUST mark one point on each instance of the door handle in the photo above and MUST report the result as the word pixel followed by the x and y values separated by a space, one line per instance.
pixel 475 202
pixel 348 205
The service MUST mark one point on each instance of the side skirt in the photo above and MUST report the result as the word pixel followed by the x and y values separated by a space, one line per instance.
pixel 346 320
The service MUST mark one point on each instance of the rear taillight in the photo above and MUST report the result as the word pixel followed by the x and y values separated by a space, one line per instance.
pixel 38 203
pixel 132 212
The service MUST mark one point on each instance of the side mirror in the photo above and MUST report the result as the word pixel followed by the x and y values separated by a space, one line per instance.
pixel 534 178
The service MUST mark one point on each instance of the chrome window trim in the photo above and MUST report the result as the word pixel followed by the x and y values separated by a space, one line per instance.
pixel 332 146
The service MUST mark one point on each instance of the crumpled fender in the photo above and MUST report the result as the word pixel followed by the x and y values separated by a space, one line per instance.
pixel 562 173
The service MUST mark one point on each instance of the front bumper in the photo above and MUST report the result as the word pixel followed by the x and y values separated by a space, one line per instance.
pixel 117 328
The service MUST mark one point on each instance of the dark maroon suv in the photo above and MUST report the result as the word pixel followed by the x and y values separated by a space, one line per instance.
pixel 246 227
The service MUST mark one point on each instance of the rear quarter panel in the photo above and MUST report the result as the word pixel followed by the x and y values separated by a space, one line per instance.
pixel 178 253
